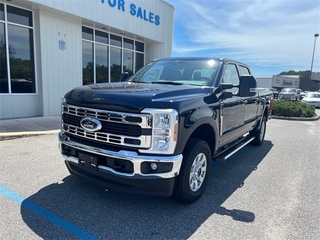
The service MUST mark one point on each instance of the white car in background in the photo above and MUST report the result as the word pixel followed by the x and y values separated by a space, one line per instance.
pixel 290 94
pixel 301 93
pixel 312 98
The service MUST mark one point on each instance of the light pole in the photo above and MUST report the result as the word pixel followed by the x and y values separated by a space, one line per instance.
pixel 314 48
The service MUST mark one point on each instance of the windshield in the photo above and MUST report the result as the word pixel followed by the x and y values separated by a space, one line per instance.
pixel 289 90
pixel 312 95
pixel 198 72
pixel 272 89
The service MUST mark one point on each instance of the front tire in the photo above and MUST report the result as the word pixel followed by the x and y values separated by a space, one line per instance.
pixel 259 133
pixel 192 180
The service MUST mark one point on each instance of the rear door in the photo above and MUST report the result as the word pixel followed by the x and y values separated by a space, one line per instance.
pixel 251 103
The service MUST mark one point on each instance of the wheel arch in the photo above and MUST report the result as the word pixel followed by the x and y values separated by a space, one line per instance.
pixel 205 129
pixel 267 110
pixel 206 133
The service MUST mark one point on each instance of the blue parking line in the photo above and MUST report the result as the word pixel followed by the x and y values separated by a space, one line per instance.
pixel 69 227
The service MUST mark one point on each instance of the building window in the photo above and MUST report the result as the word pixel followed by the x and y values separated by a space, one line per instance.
pixel 115 40
pixel 115 64
pixel 102 37
pixel 87 33
pixel 139 55
pixel 19 16
pixel 139 46
pixel 128 43
pixel 139 60
pixel 105 56
pixel 128 62
pixel 1 12
pixel 17 74
pixel 87 63
pixel 4 84
pixel 102 69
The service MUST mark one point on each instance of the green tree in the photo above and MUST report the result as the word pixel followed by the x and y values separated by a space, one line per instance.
pixel 292 72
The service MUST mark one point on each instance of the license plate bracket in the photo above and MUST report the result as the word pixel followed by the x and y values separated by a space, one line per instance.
pixel 88 160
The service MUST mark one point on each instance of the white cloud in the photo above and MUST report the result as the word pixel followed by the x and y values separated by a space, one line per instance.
pixel 279 32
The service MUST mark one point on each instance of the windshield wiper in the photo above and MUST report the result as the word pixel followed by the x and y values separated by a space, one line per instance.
pixel 167 82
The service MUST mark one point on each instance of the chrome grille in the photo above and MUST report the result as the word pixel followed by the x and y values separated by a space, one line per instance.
pixel 286 96
pixel 125 129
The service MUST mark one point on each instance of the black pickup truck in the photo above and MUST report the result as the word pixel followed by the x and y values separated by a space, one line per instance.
pixel 157 131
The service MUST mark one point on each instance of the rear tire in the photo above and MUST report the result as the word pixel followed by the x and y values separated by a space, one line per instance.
pixel 192 180
pixel 259 132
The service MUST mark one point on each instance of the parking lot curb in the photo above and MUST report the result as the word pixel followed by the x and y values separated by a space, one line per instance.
pixel 13 135
pixel 296 118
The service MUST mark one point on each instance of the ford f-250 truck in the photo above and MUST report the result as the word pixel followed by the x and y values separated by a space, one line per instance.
pixel 157 132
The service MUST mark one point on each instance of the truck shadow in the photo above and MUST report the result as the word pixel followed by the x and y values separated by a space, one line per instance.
pixel 111 215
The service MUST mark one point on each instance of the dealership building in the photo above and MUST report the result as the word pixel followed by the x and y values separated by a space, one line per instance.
pixel 48 47
pixel 309 81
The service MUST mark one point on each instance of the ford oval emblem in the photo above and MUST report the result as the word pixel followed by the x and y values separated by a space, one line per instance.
pixel 90 124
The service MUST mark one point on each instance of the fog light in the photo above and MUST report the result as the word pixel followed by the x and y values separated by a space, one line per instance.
pixel 154 166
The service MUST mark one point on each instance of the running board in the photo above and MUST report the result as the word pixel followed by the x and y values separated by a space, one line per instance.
pixel 229 152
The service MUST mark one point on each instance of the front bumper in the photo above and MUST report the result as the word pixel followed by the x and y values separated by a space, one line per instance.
pixel 135 181
pixel 314 103
pixel 290 97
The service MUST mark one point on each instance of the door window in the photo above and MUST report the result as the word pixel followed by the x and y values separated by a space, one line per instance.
pixel 231 75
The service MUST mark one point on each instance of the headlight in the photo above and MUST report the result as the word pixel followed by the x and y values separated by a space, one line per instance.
pixel 63 101
pixel 164 130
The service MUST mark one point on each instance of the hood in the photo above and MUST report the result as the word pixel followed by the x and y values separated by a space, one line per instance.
pixel 133 97
pixel 311 99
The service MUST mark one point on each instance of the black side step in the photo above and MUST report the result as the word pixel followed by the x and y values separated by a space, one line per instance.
pixel 232 150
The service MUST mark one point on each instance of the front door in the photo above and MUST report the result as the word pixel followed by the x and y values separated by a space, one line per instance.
pixel 232 110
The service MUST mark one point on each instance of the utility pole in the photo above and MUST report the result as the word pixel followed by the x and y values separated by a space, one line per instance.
pixel 314 49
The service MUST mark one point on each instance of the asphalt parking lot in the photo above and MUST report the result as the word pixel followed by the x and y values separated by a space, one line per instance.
pixel 266 192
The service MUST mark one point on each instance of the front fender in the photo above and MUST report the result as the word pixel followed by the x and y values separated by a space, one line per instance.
pixel 199 123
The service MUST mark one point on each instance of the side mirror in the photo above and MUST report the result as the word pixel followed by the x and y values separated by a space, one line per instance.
pixel 224 86
pixel 226 95
pixel 124 76
pixel 247 86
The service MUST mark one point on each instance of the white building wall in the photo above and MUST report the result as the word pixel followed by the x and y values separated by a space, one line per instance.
pixel 282 81
pixel 60 70
pixel 161 49
pixel 19 106
pixel 120 16
pixel 315 76
pixel 264 81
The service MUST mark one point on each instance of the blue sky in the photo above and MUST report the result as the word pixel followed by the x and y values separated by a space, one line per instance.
pixel 271 36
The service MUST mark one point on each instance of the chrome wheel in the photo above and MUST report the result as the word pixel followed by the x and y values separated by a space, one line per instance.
pixel 194 172
pixel 259 133
pixel 198 172
pixel 262 130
